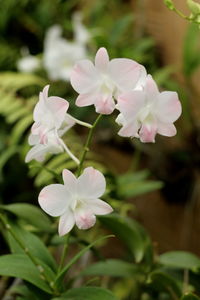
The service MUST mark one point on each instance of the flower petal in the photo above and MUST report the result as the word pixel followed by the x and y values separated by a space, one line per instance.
pixel 166 129
pixel 99 207
pixel 168 107
pixel 84 219
pixel 148 132
pixel 91 184
pixel 129 130
pixel 84 77
pixel 102 59
pixel 126 73
pixel 40 108
pixel 86 99
pixel 54 199
pixel 33 139
pixel 70 181
pixel 151 87
pixel 130 104
pixel 38 153
pixel 104 104
pixel 58 108
pixel 66 223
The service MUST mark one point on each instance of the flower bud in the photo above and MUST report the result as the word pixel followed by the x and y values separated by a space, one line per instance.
pixel 194 7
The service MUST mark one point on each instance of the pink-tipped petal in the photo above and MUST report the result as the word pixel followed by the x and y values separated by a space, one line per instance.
pixel 100 207
pixel 84 77
pixel 66 223
pixel 54 199
pixel 147 133
pixel 70 181
pixel 166 129
pixel 168 108
pixel 91 184
pixel 84 219
pixel 126 73
pixel 104 104
pixel 102 59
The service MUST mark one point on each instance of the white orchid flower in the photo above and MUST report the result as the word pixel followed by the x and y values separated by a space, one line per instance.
pixel 60 54
pixel 101 82
pixel 145 113
pixel 81 33
pixel 51 122
pixel 28 63
pixel 77 201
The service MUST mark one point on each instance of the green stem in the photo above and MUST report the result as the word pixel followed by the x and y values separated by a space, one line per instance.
pixel 64 252
pixel 87 145
pixel 27 252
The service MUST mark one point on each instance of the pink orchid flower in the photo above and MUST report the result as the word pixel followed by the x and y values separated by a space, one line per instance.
pixel 51 122
pixel 101 82
pixel 77 201
pixel 145 113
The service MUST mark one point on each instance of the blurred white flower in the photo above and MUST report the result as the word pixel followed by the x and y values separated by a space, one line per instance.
pixel 28 63
pixel 60 55
pixel 81 33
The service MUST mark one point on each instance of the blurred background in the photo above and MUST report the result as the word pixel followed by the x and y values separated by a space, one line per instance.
pixel 39 43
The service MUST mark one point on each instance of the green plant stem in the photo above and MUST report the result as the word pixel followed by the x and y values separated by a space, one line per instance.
pixel 87 145
pixel 64 252
pixel 180 14
pixel 27 252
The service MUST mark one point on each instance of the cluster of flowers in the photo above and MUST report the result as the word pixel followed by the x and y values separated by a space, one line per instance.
pixel 143 112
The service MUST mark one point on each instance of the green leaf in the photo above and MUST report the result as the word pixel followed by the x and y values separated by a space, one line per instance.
pixel 20 266
pixel 31 214
pixel 120 28
pixel 180 259
pixel 5 156
pixel 13 81
pixel 128 231
pixel 20 128
pixel 35 246
pixel 164 282
pixel 112 267
pixel 88 293
pixel 190 296
pixel 134 184
pixel 78 255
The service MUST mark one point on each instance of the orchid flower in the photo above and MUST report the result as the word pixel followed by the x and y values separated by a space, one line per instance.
pixel 81 34
pixel 28 63
pixel 51 122
pixel 101 82
pixel 60 54
pixel 76 201
pixel 145 113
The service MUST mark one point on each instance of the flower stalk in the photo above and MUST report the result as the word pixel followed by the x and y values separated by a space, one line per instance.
pixel 87 144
